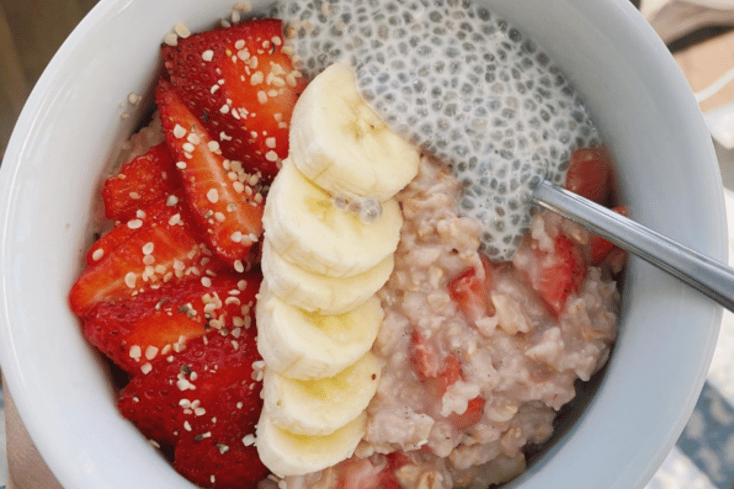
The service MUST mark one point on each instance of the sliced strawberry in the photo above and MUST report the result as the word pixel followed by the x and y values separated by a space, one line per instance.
pixel 110 241
pixel 590 174
pixel 423 356
pixel 205 404
pixel 160 321
pixel 140 182
pixel 428 364
pixel 220 460
pixel 439 375
pixel 449 374
pixel 126 228
pixel 452 373
pixel 473 414
pixel 599 246
pixel 560 273
pixel 242 84
pixel 218 191
pixel 471 293
pixel 162 247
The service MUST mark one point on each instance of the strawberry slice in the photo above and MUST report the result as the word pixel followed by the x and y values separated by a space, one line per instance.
pixel 590 174
pixel 428 365
pixel 126 228
pixel 160 321
pixel 223 463
pixel 471 293
pixel 140 182
pixel 473 414
pixel 424 357
pixel 449 374
pixel 219 192
pixel 241 82
pixel 599 246
pixel 162 247
pixel 205 404
pixel 440 374
pixel 560 273
pixel 110 241
pixel 452 373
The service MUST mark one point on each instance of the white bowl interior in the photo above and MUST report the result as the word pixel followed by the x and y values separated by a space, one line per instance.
pixel 72 125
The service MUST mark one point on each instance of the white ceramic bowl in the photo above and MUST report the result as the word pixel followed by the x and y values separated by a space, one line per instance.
pixel 72 125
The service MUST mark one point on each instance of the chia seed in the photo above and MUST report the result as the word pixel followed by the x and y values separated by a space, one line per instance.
pixel 486 74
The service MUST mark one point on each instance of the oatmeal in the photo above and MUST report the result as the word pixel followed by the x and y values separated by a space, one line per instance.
pixel 462 395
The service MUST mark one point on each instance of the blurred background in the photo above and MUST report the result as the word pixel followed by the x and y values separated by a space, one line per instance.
pixel 30 33
pixel 698 33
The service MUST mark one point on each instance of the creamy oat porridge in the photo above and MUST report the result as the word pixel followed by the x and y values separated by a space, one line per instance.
pixel 464 390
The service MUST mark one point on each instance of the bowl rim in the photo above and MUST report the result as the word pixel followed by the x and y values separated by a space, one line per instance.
pixel 25 129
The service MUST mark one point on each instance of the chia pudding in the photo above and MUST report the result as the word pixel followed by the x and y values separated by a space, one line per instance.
pixel 463 84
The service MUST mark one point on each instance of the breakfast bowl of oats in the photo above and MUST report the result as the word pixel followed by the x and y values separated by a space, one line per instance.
pixel 291 245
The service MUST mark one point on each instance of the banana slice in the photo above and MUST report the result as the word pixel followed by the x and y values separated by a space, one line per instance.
pixel 321 406
pixel 340 143
pixel 318 293
pixel 285 453
pixel 305 227
pixel 305 345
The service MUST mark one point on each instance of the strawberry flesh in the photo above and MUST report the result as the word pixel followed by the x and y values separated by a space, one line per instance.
pixel 160 321
pixel 362 473
pixel 590 174
pixel 450 374
pixel 218 191
pixel 204 403
pixel 471 293
pixel 600 247
pixel 242 84
pixel 561 273
pixel 140 182
pixel 423 356
pixel 163 247
pixel 111 240
pixel 440 374
pixel 473 414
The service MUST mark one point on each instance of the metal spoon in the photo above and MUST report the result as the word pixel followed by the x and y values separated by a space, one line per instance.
pixel 708 276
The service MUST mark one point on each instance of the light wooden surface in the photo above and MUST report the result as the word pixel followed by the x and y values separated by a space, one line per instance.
pixel 30 33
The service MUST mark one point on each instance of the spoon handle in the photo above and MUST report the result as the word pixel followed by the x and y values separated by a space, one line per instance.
pixel 708 276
